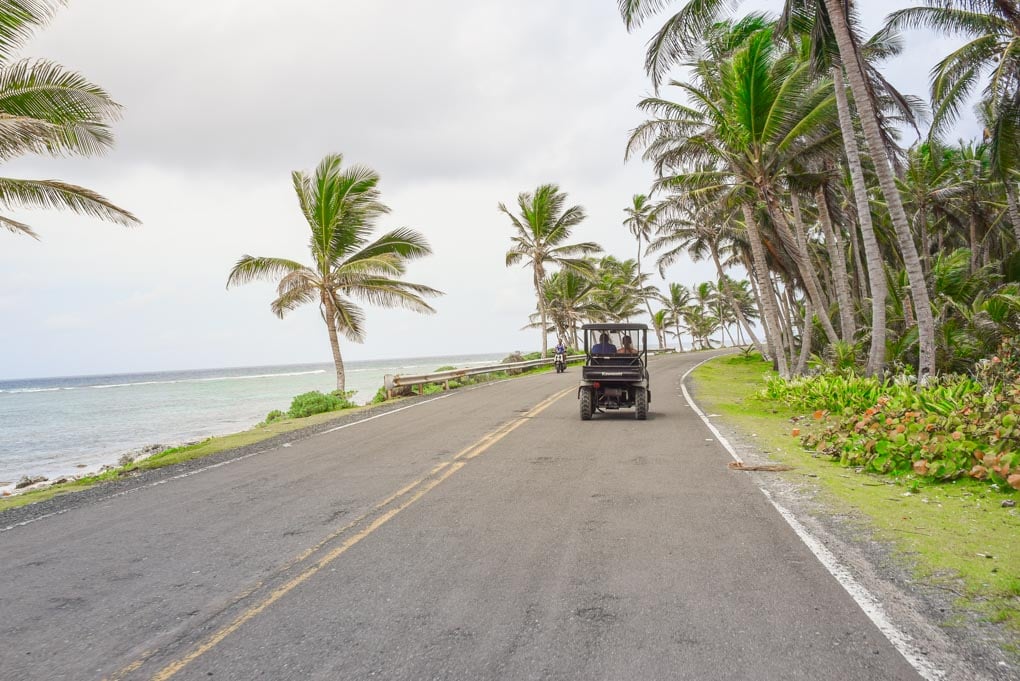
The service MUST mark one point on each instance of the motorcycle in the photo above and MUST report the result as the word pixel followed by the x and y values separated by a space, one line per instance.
pixel 561 362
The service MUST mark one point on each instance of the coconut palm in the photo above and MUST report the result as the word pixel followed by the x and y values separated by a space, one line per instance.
pixel 745 128
pixel 49 110
pixel 681 35
pixel 989 57
pixel 341 207
pixel 678 300
pixel 641 223
pixel 541 232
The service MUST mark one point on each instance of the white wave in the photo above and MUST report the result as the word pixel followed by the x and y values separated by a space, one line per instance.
pixel 29 390
pixel 211 378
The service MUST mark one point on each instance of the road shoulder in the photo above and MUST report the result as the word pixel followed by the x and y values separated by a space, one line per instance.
pixel 958 642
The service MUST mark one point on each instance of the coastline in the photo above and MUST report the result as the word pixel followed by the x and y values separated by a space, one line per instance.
pixel 76 427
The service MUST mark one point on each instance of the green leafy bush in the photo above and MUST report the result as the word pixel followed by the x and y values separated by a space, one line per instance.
pixel 274 416
pixel 315 402
pixel 952 427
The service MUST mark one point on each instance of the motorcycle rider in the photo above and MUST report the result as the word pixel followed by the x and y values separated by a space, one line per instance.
pixel 561 355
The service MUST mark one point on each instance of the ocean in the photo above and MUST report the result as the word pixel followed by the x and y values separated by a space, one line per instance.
pixel 67 426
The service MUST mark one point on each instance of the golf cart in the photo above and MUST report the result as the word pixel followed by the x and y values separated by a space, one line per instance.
pixel 615 373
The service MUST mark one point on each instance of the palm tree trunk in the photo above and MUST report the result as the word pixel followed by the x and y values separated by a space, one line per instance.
pixel 805 338
pixel 862 291
pixel 887 181
pixel 679 341
pixel 876 273
pixel 770 311
pixel 837 256
pixel 795 245
pixel 1014 208
pixel 329 316
pixel 539 276
pixel 787 319
pixel 731 300
pixel 974 247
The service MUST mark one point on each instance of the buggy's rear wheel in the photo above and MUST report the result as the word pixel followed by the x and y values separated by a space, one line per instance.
pixel 640 404
pixel 587 398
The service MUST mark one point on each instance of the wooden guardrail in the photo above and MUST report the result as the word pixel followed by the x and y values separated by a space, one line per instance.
pixel 394 382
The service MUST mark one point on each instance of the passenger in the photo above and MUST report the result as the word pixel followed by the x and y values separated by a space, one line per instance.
pixel 628 348
pixel 603 347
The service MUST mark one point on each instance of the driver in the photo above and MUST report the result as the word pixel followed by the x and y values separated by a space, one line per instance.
pixel 603 347
pixel 561 349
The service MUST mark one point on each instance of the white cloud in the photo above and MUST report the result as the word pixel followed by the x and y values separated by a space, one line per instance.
pixel 458 106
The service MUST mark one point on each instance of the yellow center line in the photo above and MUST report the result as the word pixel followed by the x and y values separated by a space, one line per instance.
pixel 430 482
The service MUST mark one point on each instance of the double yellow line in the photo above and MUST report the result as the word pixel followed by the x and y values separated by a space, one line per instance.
pixel 397 502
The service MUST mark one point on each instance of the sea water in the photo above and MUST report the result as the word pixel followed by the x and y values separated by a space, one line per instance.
pixel 65 426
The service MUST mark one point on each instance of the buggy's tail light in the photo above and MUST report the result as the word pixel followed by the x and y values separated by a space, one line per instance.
pixel 597 385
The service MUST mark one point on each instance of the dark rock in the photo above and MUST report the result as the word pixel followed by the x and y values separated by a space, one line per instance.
pixel 29 480
pixel 1008 503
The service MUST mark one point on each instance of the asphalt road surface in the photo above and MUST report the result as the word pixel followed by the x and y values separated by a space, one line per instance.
pixel 486 534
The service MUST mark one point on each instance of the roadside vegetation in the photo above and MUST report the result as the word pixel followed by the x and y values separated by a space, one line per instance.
pixel 955 533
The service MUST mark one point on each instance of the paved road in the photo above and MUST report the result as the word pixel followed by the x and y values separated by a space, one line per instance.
pixel 488 534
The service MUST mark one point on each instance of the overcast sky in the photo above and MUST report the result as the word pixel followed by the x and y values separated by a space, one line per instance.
pixel 458 105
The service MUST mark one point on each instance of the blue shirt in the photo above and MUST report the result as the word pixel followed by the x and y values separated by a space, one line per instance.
pixel 603 349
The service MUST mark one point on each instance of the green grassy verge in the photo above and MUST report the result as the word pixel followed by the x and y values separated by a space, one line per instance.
pixel 955 536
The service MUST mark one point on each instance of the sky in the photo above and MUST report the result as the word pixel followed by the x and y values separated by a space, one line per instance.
pixel 458 106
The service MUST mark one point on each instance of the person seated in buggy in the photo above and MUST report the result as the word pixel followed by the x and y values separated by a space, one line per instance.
pixel 628 347
pixel 603 347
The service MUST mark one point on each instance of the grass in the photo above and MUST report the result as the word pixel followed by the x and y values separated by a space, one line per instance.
pixel 955 536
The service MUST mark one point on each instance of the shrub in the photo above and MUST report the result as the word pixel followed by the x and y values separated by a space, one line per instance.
pixel 273 417
pixel 950 428
pixel 380 396
pixel 314 403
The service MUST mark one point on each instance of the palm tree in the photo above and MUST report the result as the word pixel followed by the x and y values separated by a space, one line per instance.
pixel 542 229
pixel 641 223
pixel 567 302
pixel 341 206
pixel 992 30
pixel 682 33
pixel 46 109
pixel 679 299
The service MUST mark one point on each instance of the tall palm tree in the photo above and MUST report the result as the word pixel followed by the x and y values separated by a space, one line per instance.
pixel 676 302
pixel 567 302
pixel 341 207
pixel 990 55
pixel 641 223
pixel 682 33
pixel 46 109
pixel 541 232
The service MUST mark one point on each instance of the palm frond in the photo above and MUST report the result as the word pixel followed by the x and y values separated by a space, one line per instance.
pixel 56 194
pixel 252 268
pixel 20 19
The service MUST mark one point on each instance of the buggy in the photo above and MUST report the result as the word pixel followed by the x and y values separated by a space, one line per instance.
pixel 615 373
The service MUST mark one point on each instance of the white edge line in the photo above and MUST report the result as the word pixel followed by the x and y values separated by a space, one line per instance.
pixel 867 603
pixel 217 465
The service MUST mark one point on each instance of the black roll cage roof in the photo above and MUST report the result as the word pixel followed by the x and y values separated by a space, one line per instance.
pixel 615 327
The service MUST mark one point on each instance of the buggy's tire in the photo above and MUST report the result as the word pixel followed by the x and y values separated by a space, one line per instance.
pixel 640 404
pixel 587 407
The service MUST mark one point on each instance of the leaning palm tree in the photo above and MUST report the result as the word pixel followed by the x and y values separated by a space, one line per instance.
pixel 678 39
pixel 542 229
pixel 341 207
pixel 990 56
pixel 46 109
